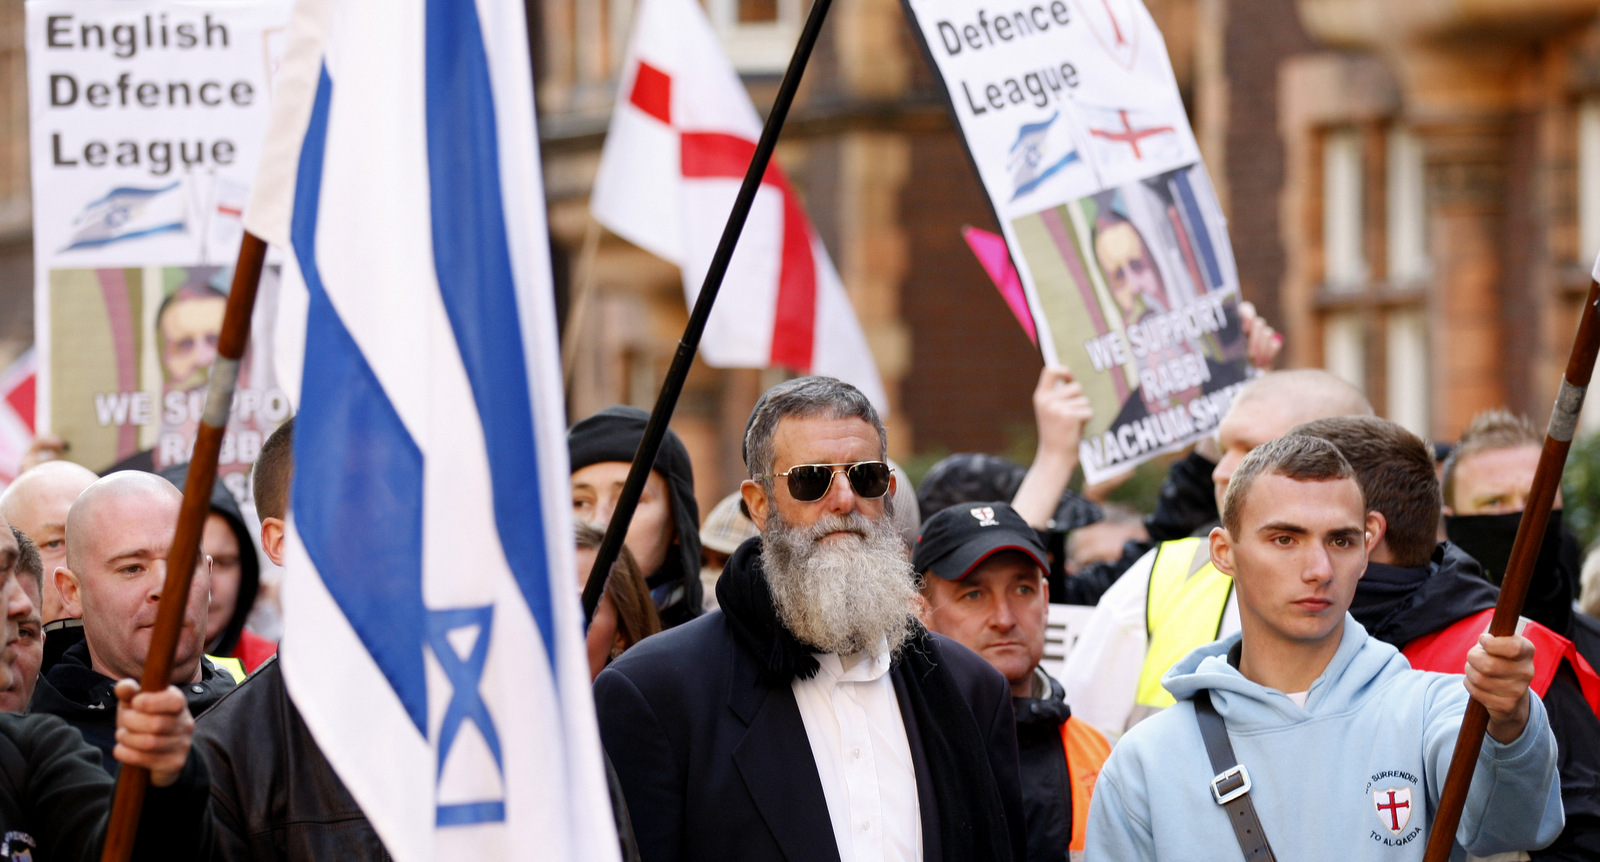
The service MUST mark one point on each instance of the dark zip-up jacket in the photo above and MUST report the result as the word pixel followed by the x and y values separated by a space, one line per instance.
pixel 55 799
pixel 78 693
pixel 1046 783
pixel 1186 506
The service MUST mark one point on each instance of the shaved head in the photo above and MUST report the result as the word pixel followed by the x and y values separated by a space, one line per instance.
pixel 44 493
pixel 36 504
pixel 52 478
pixel 119 533
pixel 1310 393
pixel 1268 406
pixel 81 519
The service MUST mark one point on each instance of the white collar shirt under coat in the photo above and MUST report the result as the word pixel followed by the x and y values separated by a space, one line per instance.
pixel 858 740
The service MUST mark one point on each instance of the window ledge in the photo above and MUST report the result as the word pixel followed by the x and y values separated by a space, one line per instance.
pixel 1377 294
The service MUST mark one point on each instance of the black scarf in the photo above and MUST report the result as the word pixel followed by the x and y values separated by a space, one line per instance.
pixel 972 818
pixel 1488 538
pixel 1397 604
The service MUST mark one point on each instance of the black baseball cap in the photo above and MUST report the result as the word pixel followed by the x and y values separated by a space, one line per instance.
pixel 955 540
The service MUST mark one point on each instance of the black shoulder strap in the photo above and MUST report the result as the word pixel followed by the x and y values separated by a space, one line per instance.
pixel 1230 787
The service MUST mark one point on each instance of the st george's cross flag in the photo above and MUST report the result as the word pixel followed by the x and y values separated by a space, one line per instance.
pixel 17 396
pixel 682 135
pixel 432 630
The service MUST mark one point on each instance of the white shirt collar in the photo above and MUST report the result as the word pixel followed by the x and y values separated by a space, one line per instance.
pixel 866 669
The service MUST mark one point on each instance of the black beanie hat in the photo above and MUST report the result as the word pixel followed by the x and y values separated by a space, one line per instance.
pixel 613 434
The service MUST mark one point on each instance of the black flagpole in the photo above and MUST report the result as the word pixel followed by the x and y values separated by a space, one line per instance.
pixel 644 459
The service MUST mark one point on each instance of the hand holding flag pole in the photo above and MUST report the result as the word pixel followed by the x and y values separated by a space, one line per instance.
pixel 123 826
pixel 644 459
pixel 1519 571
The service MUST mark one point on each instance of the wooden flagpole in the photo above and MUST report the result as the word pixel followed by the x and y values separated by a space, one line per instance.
pixel 580 301
pixel 123 826
pixel 1519 571
pixel 656 429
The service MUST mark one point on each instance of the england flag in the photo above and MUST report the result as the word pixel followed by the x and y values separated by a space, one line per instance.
pixel 682 135
pixel 432 633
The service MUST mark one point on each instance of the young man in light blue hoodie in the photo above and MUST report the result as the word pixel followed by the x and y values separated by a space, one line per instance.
pixel 1346 747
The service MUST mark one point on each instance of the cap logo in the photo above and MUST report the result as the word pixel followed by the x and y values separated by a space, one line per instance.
pixel 985 516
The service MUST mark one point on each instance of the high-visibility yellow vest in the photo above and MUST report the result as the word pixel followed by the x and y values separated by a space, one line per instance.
pixel 1087 750
pixel 233 666
pixel 1182 611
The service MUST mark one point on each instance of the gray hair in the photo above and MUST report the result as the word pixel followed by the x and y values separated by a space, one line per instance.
pixel 28 560
pixel 803 398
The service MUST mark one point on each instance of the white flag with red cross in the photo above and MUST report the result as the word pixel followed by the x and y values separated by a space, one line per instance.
pixel 681 137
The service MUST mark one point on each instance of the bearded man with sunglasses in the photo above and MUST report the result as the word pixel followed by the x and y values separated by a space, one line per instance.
pixel 812 716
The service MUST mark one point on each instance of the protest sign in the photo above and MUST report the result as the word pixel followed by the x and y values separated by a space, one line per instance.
pixel 1072 117
pixel 147 120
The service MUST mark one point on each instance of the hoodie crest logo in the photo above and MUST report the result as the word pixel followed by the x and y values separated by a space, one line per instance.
pixel 17 847
pixel 985 516
pixel 1393 805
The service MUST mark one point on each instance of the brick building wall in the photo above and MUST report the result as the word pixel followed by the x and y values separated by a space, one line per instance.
pixel 1257 36
pixel 16 210
pixel 1487 101
pixel 973 367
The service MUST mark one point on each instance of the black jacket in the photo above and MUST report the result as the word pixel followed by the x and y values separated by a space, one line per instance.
pixel 1187 505
pixel 55 799
pixel 80 695
pixel 273 793
pixel 1398 605
pixel 1046 784
pixel 715 765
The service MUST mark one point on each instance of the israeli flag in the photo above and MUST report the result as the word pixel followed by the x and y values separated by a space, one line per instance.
pixel 432 633
pixel 130 213
pixel 1029 161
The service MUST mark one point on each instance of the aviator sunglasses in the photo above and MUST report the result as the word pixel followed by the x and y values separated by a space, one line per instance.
pixel 810 482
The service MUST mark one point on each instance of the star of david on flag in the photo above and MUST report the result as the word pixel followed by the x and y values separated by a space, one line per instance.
pixel 432 635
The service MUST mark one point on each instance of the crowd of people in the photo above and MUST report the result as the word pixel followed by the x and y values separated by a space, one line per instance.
pixel 834 665
pixel 1276 665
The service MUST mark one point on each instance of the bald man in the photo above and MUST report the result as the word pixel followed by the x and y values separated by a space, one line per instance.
pixel 119 532
pixel 1173 599
pixel 55 800
pixel 37 505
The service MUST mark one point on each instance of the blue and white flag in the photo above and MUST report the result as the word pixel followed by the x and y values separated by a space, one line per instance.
pixel 432 633
pixel 130 213
pixel 1028 158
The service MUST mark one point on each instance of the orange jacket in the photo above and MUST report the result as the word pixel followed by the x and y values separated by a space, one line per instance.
pixel 1087 750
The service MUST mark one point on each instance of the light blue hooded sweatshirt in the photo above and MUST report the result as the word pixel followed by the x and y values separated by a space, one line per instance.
pixel 1355 775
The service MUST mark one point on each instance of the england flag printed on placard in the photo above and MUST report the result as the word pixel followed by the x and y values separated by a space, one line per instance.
pixel 432 634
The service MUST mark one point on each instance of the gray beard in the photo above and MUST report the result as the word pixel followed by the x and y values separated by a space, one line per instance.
pixel 842 597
